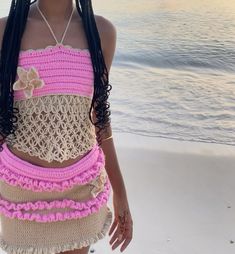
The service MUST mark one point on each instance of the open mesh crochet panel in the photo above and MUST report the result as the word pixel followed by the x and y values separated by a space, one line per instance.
pixel 54 127
pixel 53 91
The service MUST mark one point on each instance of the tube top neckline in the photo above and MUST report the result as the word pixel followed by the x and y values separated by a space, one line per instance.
pixel 50 48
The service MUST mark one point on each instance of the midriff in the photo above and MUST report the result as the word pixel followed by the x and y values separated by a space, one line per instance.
pixel 42 163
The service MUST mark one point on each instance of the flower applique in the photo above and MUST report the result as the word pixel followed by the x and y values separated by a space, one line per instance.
pixel 98 183
pixel 28 81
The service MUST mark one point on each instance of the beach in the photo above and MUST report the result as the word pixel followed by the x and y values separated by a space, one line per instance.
pixel 173 92
pixel 181 195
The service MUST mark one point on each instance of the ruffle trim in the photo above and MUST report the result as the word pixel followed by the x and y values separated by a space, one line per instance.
pixel 39 185
pixel 82 208
pixel 59 248
pixel 54 47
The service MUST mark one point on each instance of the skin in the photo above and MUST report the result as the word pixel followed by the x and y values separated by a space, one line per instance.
pixel 57 13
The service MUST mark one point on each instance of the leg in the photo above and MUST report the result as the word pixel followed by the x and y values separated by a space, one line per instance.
pixel 83 250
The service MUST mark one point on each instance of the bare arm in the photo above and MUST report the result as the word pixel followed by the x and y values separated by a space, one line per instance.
pixel 108 39
pixel 2 28
pixel 122 225
pixel 3 22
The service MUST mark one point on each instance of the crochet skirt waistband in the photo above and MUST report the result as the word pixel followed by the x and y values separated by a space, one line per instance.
pixel 52 210
pixel 35 193
pixel 16 171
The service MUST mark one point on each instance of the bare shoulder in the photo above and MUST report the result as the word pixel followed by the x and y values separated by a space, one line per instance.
pixel 3 22
pixel 105 26
pixel 108 37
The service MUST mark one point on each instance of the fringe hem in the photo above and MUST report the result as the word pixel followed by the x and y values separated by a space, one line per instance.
pixel 59 248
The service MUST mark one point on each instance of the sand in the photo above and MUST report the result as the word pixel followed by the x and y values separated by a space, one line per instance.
pixel 181 196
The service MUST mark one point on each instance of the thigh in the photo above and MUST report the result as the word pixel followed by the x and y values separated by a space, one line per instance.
pixel 83 250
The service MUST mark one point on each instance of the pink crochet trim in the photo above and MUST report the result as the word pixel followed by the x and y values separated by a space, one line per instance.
pixel 82 209
pixel 18 172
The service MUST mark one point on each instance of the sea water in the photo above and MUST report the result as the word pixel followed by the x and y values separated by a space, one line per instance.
pixel 173 72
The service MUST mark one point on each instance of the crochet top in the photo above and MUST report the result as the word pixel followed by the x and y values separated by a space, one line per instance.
pixel 53 92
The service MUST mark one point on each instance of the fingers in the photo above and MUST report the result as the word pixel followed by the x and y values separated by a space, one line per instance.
pixel 122 234
pixel 113 227
pixel 115 235
pixel 125 244
pixel 117 242
pixel 127 237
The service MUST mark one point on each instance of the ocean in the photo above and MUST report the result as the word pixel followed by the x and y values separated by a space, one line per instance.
pixel 173 70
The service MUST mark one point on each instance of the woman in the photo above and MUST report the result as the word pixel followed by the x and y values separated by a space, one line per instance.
pixel 58 159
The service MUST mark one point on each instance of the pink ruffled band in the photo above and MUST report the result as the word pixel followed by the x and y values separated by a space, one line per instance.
pixel 79 209
pixel 16 171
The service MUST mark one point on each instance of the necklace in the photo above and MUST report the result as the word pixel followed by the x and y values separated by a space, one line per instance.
pixel 53 34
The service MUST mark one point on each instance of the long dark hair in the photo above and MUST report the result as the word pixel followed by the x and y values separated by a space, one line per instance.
pixel 11 41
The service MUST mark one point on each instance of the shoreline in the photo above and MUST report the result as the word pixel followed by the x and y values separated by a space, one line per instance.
pixel 130 140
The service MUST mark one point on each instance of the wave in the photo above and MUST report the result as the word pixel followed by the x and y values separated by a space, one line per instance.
pixel 209 141
pixel 174 60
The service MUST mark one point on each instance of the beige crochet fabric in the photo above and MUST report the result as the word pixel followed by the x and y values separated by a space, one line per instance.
pixel 31 237
pixel 54 127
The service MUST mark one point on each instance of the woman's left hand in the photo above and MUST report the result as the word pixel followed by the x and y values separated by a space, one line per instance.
pixel 122 222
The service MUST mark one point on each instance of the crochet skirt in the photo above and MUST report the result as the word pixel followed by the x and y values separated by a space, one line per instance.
pixel 51 210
